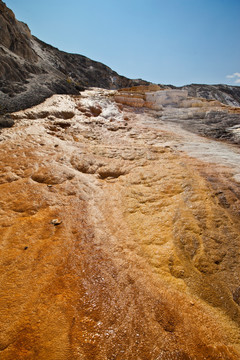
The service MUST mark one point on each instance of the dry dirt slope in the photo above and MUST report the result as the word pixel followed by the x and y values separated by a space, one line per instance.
pixel 115 243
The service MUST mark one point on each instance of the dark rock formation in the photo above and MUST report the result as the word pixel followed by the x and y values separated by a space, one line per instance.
pixel 6 121
pixel 31 71
pixel 15 35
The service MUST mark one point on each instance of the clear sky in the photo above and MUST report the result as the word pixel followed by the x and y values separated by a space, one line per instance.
pixel 164 41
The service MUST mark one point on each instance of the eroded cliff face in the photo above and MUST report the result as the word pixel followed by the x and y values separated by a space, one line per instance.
pixel 119 235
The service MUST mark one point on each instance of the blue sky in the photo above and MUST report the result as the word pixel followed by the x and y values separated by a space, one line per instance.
pixel 164 41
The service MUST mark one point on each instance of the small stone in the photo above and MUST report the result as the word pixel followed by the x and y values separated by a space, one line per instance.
pixel 26 247
pixel 49 186
pixel 56 222
pixel 6 121
pixel 192 303
pixel 95 110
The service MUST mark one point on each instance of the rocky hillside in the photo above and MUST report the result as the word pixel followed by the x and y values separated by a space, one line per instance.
pixel 31 70
pixel 119 232
pixel 229 95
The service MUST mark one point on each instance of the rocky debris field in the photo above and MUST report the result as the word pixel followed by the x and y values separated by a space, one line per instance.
pixel 119 234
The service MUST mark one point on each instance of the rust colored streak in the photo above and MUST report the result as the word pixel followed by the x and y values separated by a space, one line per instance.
pixel 115 247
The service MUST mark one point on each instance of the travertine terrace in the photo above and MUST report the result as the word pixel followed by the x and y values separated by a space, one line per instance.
pixel 119 235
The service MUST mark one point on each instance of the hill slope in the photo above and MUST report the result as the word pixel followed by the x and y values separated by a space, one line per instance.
pixel 31 70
